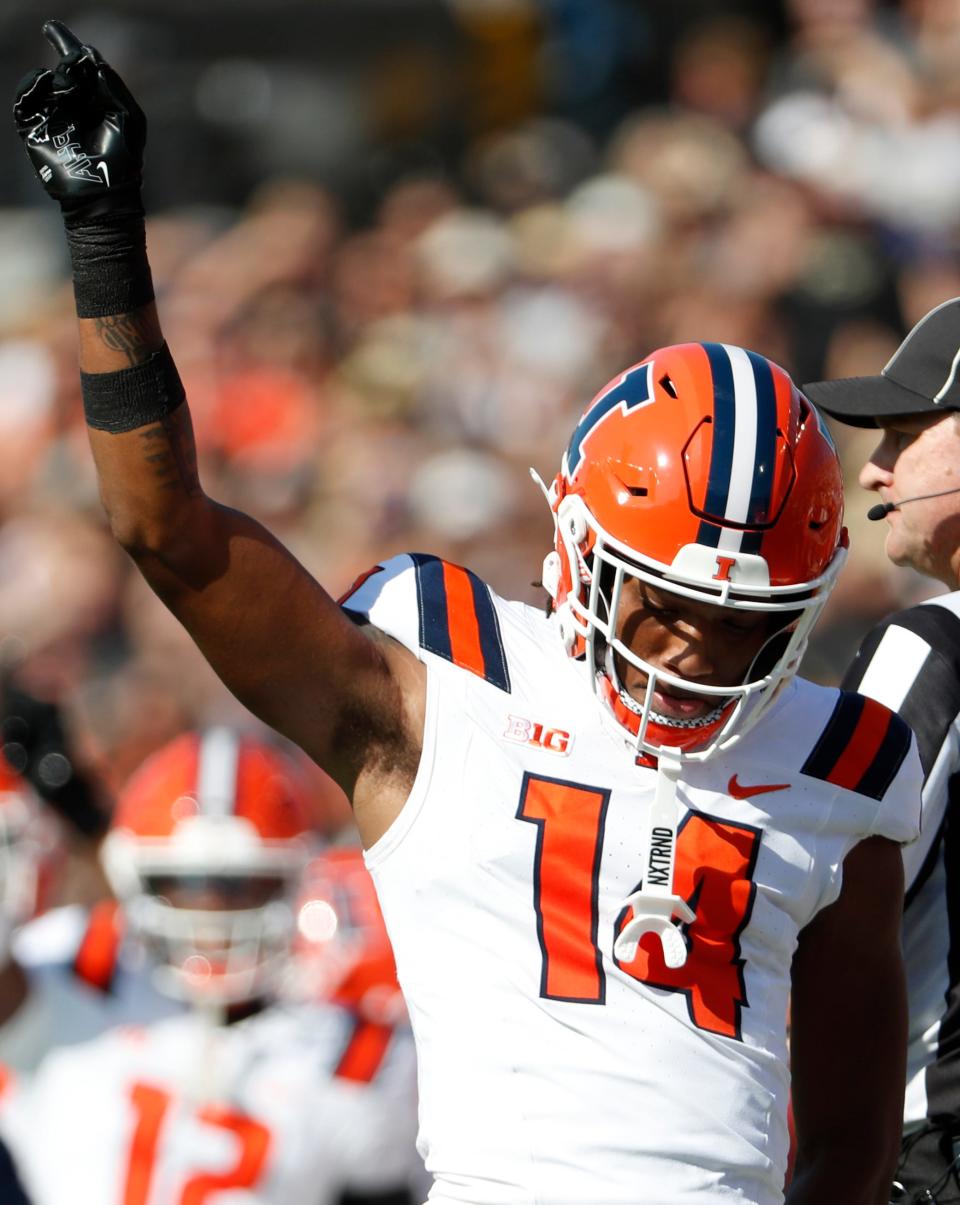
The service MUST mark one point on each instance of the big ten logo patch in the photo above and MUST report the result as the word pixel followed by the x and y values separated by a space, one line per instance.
pixel 528 732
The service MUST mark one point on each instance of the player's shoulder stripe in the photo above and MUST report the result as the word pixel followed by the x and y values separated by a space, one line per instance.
pixel 96 958
pixel 364 1051
pixel 861 747
pixel 458 619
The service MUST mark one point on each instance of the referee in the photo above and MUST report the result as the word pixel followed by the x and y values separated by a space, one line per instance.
pixel 911 662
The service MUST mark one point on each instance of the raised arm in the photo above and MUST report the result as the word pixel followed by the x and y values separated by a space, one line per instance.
pixel 849 1036
pixel 350 697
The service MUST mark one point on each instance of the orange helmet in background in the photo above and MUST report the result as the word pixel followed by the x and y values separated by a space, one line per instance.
pixel 205 852
pixel 703 471
pixel 342 952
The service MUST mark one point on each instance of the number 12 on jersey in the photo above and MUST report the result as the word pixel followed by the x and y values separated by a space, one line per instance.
pixel 151 1105
pixel 715 861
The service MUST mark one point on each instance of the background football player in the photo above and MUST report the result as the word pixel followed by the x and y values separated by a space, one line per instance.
pixel 241 1096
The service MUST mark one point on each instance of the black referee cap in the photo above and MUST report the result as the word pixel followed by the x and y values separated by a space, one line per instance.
pixel 923 376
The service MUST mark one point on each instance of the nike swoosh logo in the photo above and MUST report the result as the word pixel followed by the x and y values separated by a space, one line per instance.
pixel 104 171
pixel 742 792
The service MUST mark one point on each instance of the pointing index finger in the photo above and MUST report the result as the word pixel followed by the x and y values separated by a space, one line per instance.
pixel 64 41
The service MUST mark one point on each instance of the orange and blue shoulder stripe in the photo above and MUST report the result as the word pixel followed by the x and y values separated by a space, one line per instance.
pixel 458 619
pixel 861 748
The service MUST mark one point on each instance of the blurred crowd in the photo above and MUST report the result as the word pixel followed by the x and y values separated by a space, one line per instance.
pixel 369 387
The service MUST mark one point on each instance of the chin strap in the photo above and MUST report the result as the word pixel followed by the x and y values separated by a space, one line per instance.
pixel 655 906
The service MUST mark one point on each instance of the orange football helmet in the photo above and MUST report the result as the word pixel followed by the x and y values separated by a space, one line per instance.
pixel 701 470
pixel 31 852
pixel 342 952
pixel 205 852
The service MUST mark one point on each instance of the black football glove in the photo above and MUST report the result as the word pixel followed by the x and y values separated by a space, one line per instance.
pixel 83 130
pixel 34 741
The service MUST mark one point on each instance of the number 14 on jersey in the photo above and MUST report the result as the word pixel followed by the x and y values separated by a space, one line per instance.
pixel 715 861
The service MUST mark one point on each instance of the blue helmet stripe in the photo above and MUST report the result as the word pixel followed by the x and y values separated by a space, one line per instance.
pixel 724 431
pixel 764 460
pixel 743 452
pixel 764 464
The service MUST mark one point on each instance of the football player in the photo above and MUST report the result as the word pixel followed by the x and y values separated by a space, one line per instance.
pixel 609 843
pixel 240 1098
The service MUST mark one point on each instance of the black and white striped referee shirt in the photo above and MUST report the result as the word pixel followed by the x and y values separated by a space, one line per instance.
pixel 911 662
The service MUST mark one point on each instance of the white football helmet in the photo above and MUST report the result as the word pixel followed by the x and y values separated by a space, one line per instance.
pixel 205 853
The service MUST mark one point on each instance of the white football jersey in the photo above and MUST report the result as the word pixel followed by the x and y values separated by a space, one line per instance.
pixel 292 1106
pixel 551 1071
pixel 83 979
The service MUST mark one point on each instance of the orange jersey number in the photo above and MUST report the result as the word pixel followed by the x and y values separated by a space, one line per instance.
pixel 150 1106
pixel 569 820
pixel 713 873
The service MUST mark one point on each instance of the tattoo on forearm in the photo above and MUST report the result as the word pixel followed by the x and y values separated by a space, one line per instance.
pixel 126 333
pixel 159 456
pixel 171 453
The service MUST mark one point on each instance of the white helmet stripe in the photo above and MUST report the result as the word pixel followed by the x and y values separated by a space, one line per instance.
pixel 730 540
pixel 218 760
pixel 745 436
